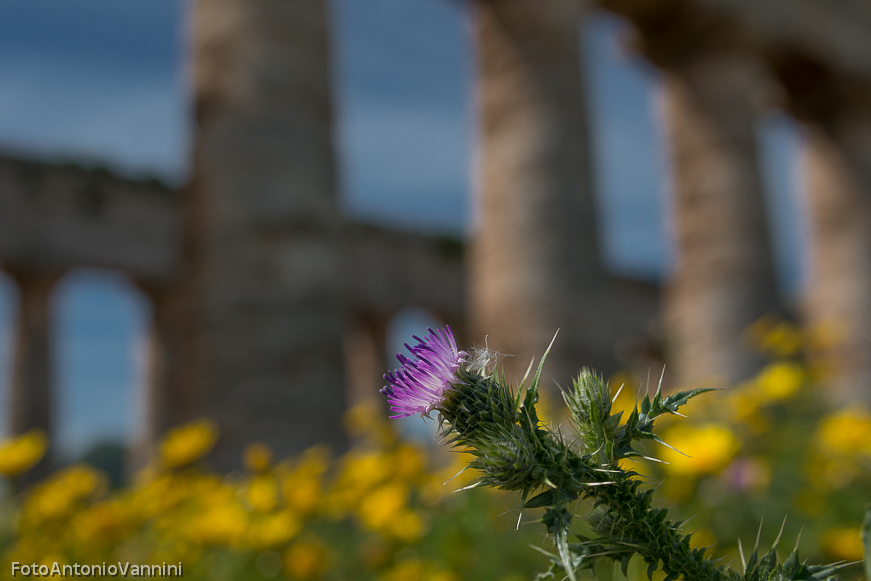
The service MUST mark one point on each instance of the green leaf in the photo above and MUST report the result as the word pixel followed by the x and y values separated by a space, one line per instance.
pixel 546 498
pixel 531 397
pixel 674 401
pixel 866 541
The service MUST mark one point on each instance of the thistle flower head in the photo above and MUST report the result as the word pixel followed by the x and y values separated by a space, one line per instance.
pixel 418 385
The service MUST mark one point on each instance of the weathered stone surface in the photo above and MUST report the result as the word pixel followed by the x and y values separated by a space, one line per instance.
pixel 819 54
pixel 262 292
pixel 264 286
pixel 723 280
pixel 55 217
pixel 831 33
pixel 392 270
pixel 387 271
pixel 838 303
pixel 534 264
pixel 32 361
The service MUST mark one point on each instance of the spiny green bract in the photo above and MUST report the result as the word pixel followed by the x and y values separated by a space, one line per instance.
pixel 601 432
pixel 514 451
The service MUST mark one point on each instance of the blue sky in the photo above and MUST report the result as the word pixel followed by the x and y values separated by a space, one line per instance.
pixel 105 81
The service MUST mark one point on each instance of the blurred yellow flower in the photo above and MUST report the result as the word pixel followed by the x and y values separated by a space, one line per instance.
pixel 103 522
pixel 188 443
pixel 364 418
pixel 367 469
pixel 704 449
pixel 743 404
pixel 306 559
pixel 783 339
pixel 19 454
pixel 407 570
pixel 414 569
pixel 221 524
pixel 301 484
pixel 274 530
pixel 409 461
pixel 57 496
pixel 775 336
pixel 383 505
pixel 845 433
pixel 406 526
pixel 625 397
pixel 702 538
pixel 262 493
pixel 257 457
pixel 779 381
pixel 844 544
pixel 303 493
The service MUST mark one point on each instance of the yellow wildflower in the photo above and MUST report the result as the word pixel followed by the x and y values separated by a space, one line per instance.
pixel 20 454
pixel 221 524
pixel 779 381
pixel 625 397
pixel 368 469
pixel 258 457
pixel 303 493
pixel 301 485
pixel 706 449
pixel 844 544
pixel 383 505
pixel 846 433
pixel 361 472
pixel 406 526
pixel 262 493
pixel 103 522
pixel 744 406
pixel 364 418
pixel 188 443
pixel 58 496
pixel 702 538
pixel 783 339
pixel 406 570
pixel 409 460
pixel 274 530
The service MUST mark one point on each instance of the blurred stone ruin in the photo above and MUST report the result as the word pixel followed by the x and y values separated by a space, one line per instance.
pixel 271 309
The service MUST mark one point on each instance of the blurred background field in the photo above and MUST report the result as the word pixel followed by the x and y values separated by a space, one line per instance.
pixel 393 509
pixel 220 220
pixel 104 84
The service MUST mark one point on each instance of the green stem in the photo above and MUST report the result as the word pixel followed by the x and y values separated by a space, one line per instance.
pixel 631 519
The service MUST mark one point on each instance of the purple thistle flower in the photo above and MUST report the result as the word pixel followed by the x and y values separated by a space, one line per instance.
pixel 417 386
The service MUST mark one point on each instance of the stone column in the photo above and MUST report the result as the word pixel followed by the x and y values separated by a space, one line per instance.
pixel 366 357
pixel 534 263
pixel 838 301
pixel 266 260
pixel 166 403
pixel 33 361
pixel 723 278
